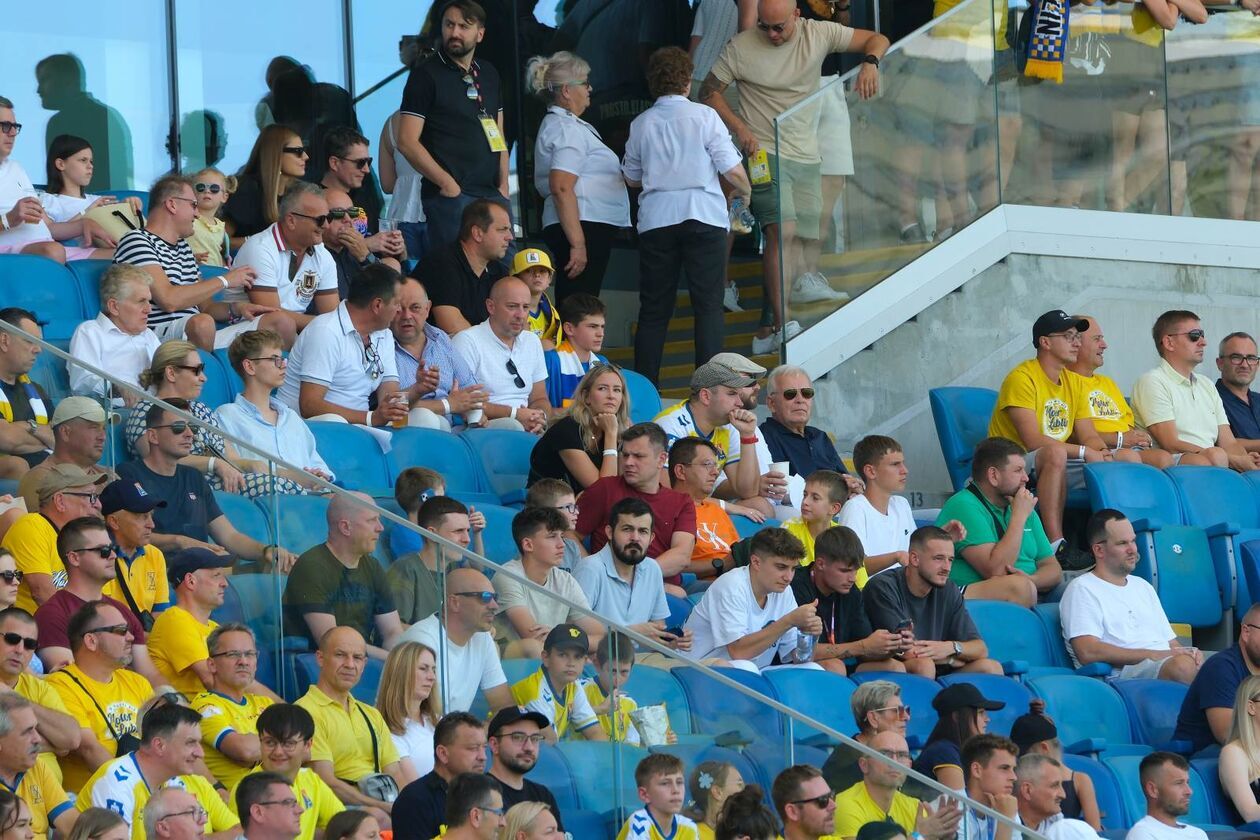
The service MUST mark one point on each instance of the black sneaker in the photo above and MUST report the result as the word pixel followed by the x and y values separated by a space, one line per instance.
pixel 1072 559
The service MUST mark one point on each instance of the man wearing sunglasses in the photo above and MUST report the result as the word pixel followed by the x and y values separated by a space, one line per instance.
pixel 348 247
pixel 1182 411
pixel 67 492
pixel 350 171
pixel 1237 361
pixel 59 731
pixel 788 435
pixel 293 270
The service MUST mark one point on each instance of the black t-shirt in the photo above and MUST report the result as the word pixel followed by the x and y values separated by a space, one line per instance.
pixel 941 616
pixel 419 812
pixel 190 504
pixel 452 133
pixel 244 207
pixel 530 792
pixel 20 401
pixel 843 616
pixel 449 280
pixel 545 460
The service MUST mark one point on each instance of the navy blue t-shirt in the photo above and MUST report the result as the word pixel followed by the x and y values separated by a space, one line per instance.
pixel 1214 687
pixel 1244 417
pixel 935 754
pixel 190 504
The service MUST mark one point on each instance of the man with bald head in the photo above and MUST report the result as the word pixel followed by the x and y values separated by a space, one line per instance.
pixel 507 358
pixel 467 650
pixel 351 739
pixel 340 583
pixel 348 247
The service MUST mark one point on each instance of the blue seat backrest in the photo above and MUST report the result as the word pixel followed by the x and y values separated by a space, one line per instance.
pixel 307 672
pixel 87 275
pixel 645 400
pixel 115 451
pixel 648 685
pixel 235 383
pixel 1009 691
pixel 46 288
pixel 518 669
pixel 440 451
pixel 123 195
pixel 1223 811
pixel 50 373
pixel 217 390
pixel 258 597
pixel 552 772
pixel 245 516
pixel 604 777
pixel 1126 769
pixel 1012 632
pixel 1083 708
pixel 1214 495
pixel 353 455
pixel 1153 706
pixel 717 709
pixel 1106 790
pixel 301 520
pixel 1136 490
pixel 1187 582
pixel 962 417
pixel 917 693
pixel 819 695
pixel 1049 615
pixel 504 458
pixel 746 528
pixel 500 547
pixel 679 610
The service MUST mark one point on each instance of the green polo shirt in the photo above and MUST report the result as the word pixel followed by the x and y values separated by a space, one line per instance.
pixel 981 520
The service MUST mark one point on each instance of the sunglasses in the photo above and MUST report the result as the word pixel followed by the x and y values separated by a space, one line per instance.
pixel 790 393
pixel 297 151
pixel 1193 335
pixel 7 127
pixel 483 597
pixel 319 221
pixel 339 213
pixel 373 360
pixel 516 374
pixel 102 550
pixel 213 189
pixel 195 370
pixel 112 629
pixel 776 28
pixel 820 801
pixel 359 163
pixel 178 427
pixel 12 577
pixel 14 639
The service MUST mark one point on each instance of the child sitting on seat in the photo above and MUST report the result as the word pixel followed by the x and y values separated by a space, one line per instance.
pixel 69 172
pixel 209 240
pixel 825 493
pixel 533 266
pixel 663 791
pixel 553 689
pixel 614 660
pixel 583 318
pixel 414 487
pixel 554 493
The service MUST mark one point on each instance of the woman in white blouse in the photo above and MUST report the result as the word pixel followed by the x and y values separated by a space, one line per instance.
pixel 584 197
pixel 409 701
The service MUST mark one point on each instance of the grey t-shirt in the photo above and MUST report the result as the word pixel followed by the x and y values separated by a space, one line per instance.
pixel 941 616
pixel 414 587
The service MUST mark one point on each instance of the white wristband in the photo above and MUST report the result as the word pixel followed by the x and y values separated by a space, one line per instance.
pixel 223 279
pixel 1081 454
pixel 612 452
pixel 210 466
pixel 1119 440
pixel 446 407
pixel 513 414
pixel 367 421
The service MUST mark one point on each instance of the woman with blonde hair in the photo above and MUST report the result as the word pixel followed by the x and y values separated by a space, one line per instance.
pixel 584 196
pixel 581 446
pixel 177 372
pixel 99 824
pixel 276 161
pixel 529 821
pixel 1239 767
pixel 409 700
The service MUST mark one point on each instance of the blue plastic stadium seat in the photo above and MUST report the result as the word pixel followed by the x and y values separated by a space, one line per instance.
pixel 552 772
pixel 446 454
pixel 1126 769
pixel 301 522
pixel 694 753
pixel 1089 714
pixel 1153 706
pixel 87 275
pixel 1222 503
pixel 244 515
pixel 1106 790
pixel 504 458
pixel 50 373
pixel 354 457
pixel 746 528
pixel 500 547
pixel 1223 811
pixel 818 695
pixel 46 288
pixel 1011 692
pixel 307 671
pixel 217 390
pixel 1016 637
pixel 604 776
pixel 235 384
pixel 679 610
pixel 717 709
pixel 518 669
pixel 917 693
pixel 254 599
pixel 648 686
pixel 579 822
pixel 123 195
pixel 645 400
pixel 961 416
pixel 115 451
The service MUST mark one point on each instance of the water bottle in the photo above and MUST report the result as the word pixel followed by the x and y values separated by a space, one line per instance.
pixel 741 217
pixel 804 647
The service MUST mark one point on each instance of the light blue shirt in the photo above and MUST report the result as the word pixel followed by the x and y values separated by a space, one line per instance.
pixel 640 600
pixel 289 439
pixel 453 369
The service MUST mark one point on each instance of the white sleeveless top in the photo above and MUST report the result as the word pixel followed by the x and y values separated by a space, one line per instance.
pixel 404 206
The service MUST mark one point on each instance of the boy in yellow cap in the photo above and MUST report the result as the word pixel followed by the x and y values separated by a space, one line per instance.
pixel 533 266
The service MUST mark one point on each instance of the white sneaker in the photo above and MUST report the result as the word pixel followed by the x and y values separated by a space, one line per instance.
pixel 769 344
pixel 730 299
pixel 812 287
pixel 793 329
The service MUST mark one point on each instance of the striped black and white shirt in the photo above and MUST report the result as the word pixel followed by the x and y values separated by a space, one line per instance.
pixel 141 248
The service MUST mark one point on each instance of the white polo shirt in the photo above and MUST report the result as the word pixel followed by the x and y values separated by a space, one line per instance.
pixel 331 352
pixel 269 255
pixel 488 357
pixel 1162 394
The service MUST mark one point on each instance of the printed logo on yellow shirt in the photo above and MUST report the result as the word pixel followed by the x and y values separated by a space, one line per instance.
pixel 1055 418
pixel 1102 406
pixel 122 716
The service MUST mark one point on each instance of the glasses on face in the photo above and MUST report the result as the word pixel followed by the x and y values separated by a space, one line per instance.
pixel 15 639
pixel 1193 335
pixel 1071 336
pixel 195 370
pixel 92 498
pixel 900 711
pixel 820 801
pixel 498 812
pixel 1240 359
pixel 339 213
pixel 516 374
pixel 359 163
pixel 14 576
pixel 1252 626
pixel 707 465
pixel 177 428
pixel 101 551
pixel 235 654
pixel 896 755
pixel 191 201
pixel 790 393
pixel 776 28
pixel 373 361
pixel 7 127
pixel 285 803
pixel 199 814
pixel 522 738
pixel 112 629
pixel 269 743
pixel 296 151
pixel 213 189
pixel 277 360
pixel 319 221
pixel 571 507
pixel 584 83
pixel 483 597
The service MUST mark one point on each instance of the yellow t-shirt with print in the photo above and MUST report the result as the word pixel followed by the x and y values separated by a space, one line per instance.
pixel 797 528
pixel 1057 407
pixel 571 709
pixel 176 642
pixel 146 579
pixel 120 699
pixel 617 726
pixel 641 826
pixel 545 323
pixel 44 795
pixel 319 803
pixel 222 716
pixel 678 422
pixel 342 736
pixel 32 541
pixel 1105 404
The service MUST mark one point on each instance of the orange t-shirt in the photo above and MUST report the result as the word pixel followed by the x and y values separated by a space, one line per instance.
pixel 715 533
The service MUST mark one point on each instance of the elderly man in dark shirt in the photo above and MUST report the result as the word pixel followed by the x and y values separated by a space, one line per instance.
pixel 1237 361
pixel 787 431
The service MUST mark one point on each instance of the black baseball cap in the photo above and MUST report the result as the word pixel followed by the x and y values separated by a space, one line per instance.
pixel 1057 321
pixel 192 560
pixel 129 496
pixel 567 637
pixel 963 695
pixel 509 715
pixel 1032 729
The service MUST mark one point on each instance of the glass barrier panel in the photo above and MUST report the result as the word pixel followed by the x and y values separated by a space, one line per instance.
pixel 1214 114
pixel 876 182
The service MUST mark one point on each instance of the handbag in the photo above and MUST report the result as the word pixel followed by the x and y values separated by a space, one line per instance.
pixel 145 617
pixel 116 219
pixel 377 785
pixel 125 743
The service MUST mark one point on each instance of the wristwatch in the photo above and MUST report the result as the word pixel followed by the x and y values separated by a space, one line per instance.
pixel 34 426
pixel 870 59
pixel 718 565
pixel 957 648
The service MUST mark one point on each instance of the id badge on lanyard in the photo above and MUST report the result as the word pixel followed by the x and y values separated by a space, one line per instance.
pixel 493 136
